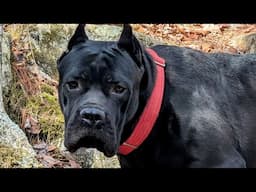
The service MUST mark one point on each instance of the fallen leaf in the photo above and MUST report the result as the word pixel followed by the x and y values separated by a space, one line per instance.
pixel 74 164
pixel 51 148
pixel 40 146
pixel 206 47
pixel 31 125
pixel 232 50
pixel 49 161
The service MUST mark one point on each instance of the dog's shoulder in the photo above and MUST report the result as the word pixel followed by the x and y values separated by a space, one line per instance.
pixel 203 86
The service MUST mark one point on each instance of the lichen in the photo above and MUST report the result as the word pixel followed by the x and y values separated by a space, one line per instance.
pixel 11 157
pixel 14 146
pixel 50 40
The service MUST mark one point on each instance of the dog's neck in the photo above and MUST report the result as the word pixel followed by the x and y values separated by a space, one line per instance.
pixel 144 156
pixel 146 86
pixel 147 154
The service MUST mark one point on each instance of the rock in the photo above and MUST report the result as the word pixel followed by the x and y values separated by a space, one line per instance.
pixel 112 33
pixel 15 150
pixel 50 40
pixel 6 67
pixel 245 43
pixel 92 158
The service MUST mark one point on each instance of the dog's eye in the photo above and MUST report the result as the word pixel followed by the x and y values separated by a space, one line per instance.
pixel 71 85
pixel 117 89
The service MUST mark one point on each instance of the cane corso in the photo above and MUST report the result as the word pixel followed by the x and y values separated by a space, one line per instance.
pixel 166 106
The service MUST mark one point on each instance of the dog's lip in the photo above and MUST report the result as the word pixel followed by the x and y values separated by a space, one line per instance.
pixel 108 152
pixel 92 142
pixel 71 147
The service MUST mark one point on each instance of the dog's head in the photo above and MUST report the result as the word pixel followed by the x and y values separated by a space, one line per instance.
pixel 99 89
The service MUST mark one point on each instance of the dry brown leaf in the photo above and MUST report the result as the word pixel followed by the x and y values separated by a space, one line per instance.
pixel 232 50
pixel 51 148
pixel 49 161
pixel 206 47
pixel 31 125
pixel 223 27
pixel 40 146
pixel 74 164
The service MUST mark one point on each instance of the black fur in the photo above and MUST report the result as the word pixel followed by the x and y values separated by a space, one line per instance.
pixel 207 118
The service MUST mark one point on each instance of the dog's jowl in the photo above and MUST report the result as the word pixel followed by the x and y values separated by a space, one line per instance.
pixel 166 106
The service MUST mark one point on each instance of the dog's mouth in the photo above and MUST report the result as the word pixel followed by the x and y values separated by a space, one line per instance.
pixel 93 142
pixel 86 131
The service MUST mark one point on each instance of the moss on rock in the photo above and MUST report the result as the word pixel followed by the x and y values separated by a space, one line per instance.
pixel 15 151
pixel 11 157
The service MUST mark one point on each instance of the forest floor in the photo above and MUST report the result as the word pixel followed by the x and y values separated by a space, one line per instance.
pixel 204 37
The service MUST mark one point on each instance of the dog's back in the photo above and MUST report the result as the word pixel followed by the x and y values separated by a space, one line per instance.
pixel 214 96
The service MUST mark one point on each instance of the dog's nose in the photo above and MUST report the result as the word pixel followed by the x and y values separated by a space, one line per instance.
pixel 92 115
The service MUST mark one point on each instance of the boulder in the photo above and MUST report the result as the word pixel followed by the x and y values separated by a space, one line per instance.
pixel 15 150
pixel 245 43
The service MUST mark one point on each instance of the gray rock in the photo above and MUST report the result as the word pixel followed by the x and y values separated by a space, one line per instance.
pixel 92 158
pixel 15 150
pixel 245 43
pixel 112 33
pixel 50 40
pixel 5 66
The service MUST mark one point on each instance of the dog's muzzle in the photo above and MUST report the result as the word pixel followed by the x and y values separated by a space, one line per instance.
pixel 91 128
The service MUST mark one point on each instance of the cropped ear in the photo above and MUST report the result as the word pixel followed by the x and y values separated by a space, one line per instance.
pixel 78 36
pixel 129 43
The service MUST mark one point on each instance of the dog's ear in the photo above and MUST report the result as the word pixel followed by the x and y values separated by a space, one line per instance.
pixel 78 36
pixel 129 42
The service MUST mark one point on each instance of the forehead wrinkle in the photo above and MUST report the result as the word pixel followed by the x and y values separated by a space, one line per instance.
pixel 98 66
pixel 105 59
pixel 109 53
pixel 104 66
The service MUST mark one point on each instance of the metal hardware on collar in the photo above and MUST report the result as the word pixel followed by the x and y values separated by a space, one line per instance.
pixel 160 64
pixel 150 113
pixel 132 146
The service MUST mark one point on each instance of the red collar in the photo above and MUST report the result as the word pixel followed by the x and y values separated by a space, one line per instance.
pixel 151 111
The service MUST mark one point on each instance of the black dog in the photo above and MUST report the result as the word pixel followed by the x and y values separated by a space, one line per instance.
pixel 207 116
